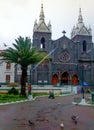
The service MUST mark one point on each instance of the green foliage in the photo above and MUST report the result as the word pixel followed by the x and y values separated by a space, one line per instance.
pixel 24 54
pixel 10 98
pixel 13 91
pixel 13 84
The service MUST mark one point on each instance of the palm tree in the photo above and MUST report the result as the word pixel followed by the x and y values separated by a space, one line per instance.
pixel 24 54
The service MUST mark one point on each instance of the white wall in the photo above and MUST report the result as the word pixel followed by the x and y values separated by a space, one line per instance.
pixel 4 72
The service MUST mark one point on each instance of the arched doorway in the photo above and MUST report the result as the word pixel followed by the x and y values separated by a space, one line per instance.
pixel 55 79
pixel 64 78
pixel 75 80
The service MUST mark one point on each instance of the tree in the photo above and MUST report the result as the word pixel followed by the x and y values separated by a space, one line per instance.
pixel 24 54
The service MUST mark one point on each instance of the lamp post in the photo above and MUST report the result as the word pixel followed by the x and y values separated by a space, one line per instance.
pixel 59 78
pixel 30 76
pixel 85 68
pixel 82 89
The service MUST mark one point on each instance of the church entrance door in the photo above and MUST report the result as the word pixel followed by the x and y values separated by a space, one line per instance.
pixel 75 79
pixel 55 79
pixel 64 78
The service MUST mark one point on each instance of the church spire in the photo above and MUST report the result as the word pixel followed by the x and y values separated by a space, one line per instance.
pixel 41 17
pixel 80 18
pixel 41 25
pixel 80 28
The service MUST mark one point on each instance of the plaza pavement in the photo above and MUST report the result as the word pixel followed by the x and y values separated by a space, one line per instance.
pixel 47 114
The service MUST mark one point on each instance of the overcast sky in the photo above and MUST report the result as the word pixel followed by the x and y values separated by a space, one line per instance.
pixel 17 17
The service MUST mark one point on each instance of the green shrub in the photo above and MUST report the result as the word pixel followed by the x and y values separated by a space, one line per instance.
pixel 13 91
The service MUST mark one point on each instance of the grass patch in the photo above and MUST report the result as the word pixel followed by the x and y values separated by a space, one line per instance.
pixel 90 102
pixel 10 98
pixel 13 98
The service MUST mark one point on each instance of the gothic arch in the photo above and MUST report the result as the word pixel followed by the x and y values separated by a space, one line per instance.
pixel 55 79
pixel 64 78
pixel 75 80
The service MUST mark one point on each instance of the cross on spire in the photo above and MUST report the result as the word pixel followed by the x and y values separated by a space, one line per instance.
pixel 64 32
pixel 80 18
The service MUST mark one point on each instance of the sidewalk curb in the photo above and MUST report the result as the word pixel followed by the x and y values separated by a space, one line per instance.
pixel 86 104
pixel 8 103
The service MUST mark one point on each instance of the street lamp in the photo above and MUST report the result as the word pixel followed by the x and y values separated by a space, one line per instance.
pixel 82 90
pixel 31 70
pixel 85 67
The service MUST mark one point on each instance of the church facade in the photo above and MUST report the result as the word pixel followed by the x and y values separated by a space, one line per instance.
pixel 72 59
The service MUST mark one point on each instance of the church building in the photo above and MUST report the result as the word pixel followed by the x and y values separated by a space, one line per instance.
pixel 72 59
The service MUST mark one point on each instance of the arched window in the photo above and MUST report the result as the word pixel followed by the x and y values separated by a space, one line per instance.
pixel 7 78
pixel 42 42
pixel 84 45
pixel 8 65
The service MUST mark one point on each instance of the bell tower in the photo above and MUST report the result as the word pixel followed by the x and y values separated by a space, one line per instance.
pixel 80 32
pixel 42 32
pixel 82 36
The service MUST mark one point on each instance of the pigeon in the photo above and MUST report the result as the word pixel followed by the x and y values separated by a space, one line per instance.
pixel 5 44
pixel 30 123
pixel 74 118
pixel 62 126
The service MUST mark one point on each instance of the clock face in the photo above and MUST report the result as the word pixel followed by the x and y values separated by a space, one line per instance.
pixel 64 56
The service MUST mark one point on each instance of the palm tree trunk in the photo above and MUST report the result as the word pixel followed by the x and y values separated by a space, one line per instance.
pixel 23 80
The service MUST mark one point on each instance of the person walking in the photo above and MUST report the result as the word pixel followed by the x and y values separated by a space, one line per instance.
pixel 29 91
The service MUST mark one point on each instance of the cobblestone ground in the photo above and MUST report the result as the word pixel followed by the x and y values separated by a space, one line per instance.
pixel 47 114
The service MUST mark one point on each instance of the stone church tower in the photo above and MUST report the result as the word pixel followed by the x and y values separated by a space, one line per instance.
pixel 82 37
pixel 72 59
pixel 41 32
pixel 41 39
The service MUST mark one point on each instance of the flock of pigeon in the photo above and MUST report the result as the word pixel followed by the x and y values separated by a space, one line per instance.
pixel 74 119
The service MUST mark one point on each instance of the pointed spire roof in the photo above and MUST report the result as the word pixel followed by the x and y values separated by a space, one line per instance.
pixel 80 28
pixel 41 25
pixel 41 17
pixel 80 23
pixel 80 18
